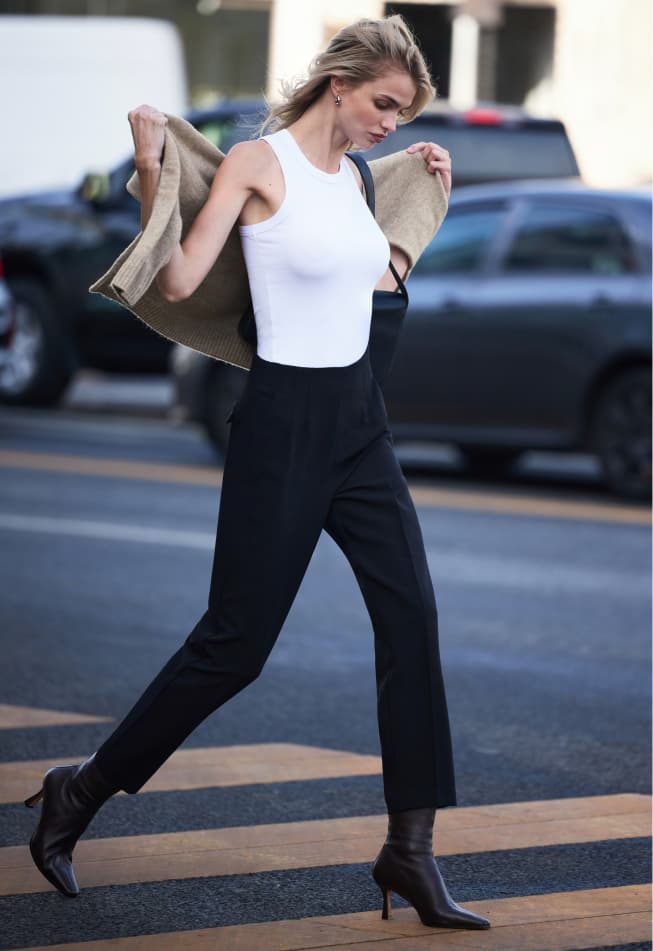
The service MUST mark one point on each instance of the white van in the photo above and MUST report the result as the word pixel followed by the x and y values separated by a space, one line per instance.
pixel 68 83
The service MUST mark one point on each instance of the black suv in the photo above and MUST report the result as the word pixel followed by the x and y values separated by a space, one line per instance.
pixel 55 244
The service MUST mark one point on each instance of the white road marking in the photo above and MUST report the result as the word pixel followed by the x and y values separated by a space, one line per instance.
pixel 468 569
pixel 113 531
pixel 545 577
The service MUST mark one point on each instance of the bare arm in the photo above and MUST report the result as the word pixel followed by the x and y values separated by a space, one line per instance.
pixel 193 258
pixel 148 132
pixel 149 173
pixel 234 181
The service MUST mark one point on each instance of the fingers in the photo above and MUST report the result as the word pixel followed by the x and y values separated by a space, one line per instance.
pixel 148 132
pixel 435 156
pixel 145 113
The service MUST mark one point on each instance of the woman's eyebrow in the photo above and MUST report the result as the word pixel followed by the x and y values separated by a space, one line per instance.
pixel 392 100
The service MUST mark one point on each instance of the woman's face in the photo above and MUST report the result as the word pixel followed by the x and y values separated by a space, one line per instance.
pixel 369 112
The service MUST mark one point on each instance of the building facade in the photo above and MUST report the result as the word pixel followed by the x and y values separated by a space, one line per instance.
pixel 587 62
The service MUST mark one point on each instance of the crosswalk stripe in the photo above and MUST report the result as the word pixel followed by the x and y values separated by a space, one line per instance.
pixel 16 718
pixel 551 922
pixel 214 766
pixel 328 842
pixel 464 500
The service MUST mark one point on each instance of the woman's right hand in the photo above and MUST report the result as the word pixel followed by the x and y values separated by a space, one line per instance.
pixel 148 132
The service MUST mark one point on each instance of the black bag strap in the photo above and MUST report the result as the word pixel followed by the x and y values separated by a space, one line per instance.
pixel 366 175
pixel 368 183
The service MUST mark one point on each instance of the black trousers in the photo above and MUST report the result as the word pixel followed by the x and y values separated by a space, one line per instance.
pixel 309 449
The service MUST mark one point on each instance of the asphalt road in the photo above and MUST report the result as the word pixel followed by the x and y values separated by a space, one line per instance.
pixel 107 521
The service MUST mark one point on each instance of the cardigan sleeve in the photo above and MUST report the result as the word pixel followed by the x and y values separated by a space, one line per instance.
pixel 208 320
pixel 411 203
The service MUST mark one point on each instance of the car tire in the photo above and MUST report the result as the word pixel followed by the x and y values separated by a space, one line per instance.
pixel 225 387
pixel 621 433
pixel 39 365
pixel 489 462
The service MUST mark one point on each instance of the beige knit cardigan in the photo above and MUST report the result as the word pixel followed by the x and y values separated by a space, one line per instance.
pixel 410 206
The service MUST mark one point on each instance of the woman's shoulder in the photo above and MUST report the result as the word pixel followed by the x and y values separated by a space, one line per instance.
pixel 251 161
pixel 255 152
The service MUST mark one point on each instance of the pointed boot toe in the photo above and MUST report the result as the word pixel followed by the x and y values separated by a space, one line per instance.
pixel 58 869
pixel 71 796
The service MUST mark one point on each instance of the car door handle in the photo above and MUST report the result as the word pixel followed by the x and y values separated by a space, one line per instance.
pixel 451 303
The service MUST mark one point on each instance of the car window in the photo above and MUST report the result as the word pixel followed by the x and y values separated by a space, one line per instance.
pixel 112 189
pixel 462 241
pixel 640 230
pixel 487 153
pixel 223 133
pixel 556 237
pixel 216 131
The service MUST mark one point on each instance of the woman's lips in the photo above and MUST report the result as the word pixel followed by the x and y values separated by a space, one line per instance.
pixel 379 138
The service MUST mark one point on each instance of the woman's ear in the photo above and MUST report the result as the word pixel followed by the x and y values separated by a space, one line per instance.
pixel 338 86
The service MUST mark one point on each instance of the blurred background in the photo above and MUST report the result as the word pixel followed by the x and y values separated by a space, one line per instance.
pixel 586 62
pixel 529 325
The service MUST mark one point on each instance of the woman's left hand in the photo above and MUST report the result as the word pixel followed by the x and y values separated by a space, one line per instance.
pixel 437 160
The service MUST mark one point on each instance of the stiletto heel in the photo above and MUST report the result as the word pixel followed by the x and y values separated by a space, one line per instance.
pixel 387 904
pixel 35 799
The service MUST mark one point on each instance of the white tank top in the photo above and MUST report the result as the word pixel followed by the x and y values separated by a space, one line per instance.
pixel 313 265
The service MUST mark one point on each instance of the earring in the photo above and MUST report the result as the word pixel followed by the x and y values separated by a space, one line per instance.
pixel 337 100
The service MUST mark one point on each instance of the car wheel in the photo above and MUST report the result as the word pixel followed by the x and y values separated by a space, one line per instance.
pixel 489 462
pixel 225 387
pixel 621 433
pixel 38 366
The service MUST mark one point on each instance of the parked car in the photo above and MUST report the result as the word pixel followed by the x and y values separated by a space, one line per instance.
pixel 528 328
pixel 7 324
pixel 56 243
pixel 489 143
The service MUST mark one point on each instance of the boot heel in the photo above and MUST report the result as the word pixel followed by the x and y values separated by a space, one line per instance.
pixel 35 799
pixel 387 904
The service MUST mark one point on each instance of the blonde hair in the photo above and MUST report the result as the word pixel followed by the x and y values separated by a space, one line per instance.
pixel 359 53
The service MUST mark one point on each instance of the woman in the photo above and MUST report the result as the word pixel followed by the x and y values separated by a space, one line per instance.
pixel 309 449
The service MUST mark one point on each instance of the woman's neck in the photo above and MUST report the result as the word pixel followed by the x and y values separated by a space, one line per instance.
pixel 319 137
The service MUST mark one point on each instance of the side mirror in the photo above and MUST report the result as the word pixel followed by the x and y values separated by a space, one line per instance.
pixel 94 187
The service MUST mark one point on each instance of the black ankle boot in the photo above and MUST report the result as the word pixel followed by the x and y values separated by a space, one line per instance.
pixel 71 796
pixel 406 865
